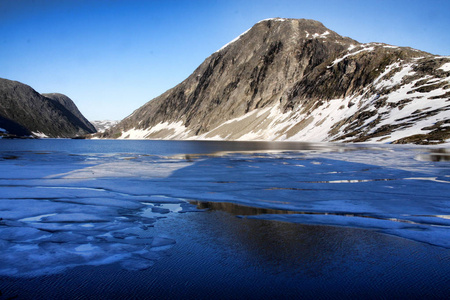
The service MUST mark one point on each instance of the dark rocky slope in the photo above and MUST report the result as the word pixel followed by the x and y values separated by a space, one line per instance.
pixel 72 108
pixel 294 79
pixel 25 112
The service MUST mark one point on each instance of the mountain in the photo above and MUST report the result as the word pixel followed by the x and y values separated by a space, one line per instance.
pixel 295 79
pixel 25 112
pixel 102 125
pixel 72 108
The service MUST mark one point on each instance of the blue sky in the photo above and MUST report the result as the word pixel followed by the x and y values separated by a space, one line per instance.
pixel 112 56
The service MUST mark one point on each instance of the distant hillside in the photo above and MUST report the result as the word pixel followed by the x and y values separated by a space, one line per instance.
pixel 70 105
pixel 295 79
pixel 102 125
pixel 25 112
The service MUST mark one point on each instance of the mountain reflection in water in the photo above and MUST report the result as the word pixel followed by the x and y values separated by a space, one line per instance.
pixel 237 209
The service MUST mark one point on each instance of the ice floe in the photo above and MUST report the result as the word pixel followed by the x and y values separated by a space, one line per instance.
pixel 60 210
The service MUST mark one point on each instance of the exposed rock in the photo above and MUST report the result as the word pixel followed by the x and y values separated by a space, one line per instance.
pixel 294 79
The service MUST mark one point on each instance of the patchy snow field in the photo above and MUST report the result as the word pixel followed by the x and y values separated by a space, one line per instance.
pixel 68 203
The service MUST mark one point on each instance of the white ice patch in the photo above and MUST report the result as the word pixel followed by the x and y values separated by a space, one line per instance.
pixel 35 219
pixel 124 169
pixel 52 223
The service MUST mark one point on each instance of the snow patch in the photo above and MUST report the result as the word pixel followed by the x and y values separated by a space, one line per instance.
pixel 40 135
pixel 168 130
pixel 321 35
pixel 338 60
pixel 445 67
pixel 407 70
pixel 103 125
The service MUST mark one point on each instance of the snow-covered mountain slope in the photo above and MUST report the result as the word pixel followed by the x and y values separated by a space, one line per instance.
pixel 102 125
pixel 291 79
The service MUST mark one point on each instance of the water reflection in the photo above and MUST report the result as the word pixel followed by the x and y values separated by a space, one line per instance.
pixel 270 258
pixel 161 147
pixel 237 209
pixel 435 155
pixel 243 210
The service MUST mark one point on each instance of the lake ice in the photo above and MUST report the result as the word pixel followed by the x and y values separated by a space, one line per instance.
pixel 64 205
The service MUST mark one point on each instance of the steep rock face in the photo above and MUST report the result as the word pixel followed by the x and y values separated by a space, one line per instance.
pixel 23 111
pixel 294 79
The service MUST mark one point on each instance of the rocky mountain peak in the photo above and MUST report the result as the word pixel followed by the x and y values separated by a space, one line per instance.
pixel 280 74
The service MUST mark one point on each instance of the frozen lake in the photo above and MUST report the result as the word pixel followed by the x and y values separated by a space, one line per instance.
pixel 114 219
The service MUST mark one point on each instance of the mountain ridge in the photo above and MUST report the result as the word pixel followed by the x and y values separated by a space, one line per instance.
pixel 25 112
pixel 295 79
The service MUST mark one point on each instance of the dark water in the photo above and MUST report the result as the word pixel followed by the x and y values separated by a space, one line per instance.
pixel 222 254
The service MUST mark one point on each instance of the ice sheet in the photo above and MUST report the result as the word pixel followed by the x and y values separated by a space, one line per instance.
pixel 59 210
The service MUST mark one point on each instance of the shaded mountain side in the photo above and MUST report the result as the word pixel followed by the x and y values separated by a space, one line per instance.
pixel 24 111
pixel 294 79
pixel 10 128
pixel 67 103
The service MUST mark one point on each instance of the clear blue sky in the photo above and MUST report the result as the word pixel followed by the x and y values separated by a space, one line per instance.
pixel 112 56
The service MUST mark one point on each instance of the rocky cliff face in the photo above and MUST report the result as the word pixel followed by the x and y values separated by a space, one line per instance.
pixel 294 79
pixel 25 112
